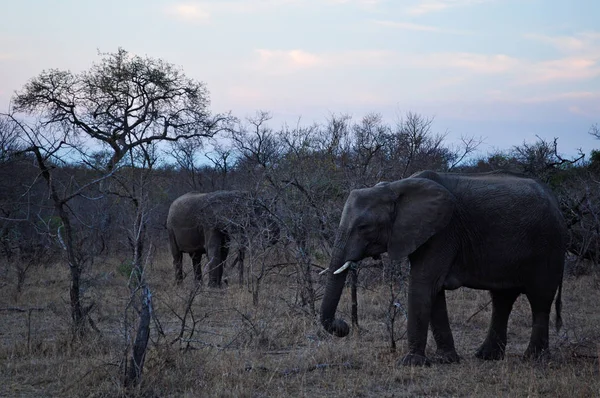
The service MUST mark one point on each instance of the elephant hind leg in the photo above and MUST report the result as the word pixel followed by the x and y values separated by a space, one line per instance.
pixel 538 343
pixel 177 264
pixel 224 254
pixel 494 346
pixel 215 250
pixel 197 264
pixel 177 258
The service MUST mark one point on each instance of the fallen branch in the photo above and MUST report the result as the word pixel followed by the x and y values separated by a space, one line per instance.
pixel 479 310
pixel 293 371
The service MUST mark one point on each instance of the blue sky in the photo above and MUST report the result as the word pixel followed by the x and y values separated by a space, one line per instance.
pixel 505 70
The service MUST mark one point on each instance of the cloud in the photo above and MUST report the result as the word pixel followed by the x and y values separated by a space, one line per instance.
pixel 430 6
pixel 579 59
pixel 418 27
pixel 590 109
pixel 564 43
pixel 202 9
pixel 567 96
pixel 361 3
pixel 580 43
pixel 408 26
pixel 472 62
pixel 188 12
pixel 291 61
pixel 463 65
pixel 564 69
pixel 287 61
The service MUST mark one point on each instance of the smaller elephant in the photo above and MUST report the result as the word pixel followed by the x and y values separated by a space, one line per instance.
pixel 203 223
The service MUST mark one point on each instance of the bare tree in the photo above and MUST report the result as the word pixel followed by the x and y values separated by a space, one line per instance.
pixel 49 147
pixel 186 154
pixel 127 103
pixel 221 157
pixel 123 101
pixel 257 145
pixel 369 138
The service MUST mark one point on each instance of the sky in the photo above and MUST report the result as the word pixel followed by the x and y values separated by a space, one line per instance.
pixel 503 70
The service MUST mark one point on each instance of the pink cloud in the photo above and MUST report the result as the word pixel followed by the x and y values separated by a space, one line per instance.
pixel 290 61
pixel 188 12
pixel 565 69
pixel 478 63
pixel 430 6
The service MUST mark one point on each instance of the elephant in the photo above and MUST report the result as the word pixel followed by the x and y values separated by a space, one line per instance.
pixel 497 231
pixel 203 223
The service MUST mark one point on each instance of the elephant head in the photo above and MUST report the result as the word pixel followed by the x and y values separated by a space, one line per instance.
pixel 395 217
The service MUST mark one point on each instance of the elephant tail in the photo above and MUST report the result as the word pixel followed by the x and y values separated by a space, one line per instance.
pixel 558 306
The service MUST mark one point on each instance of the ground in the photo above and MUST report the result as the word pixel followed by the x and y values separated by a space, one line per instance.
pixel 277 347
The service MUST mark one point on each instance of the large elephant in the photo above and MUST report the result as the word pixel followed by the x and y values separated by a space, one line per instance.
pixel 203 223
pixel 495 231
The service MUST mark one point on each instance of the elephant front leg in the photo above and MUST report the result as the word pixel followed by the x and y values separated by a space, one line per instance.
pixel 494 346
pixel 440 325
pixel 419 314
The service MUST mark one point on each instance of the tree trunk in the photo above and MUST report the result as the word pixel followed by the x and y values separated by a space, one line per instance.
pixel 138 356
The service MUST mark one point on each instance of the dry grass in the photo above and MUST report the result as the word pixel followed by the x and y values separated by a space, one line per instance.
pixel 276 348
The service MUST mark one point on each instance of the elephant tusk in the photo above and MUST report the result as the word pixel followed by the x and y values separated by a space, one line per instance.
pixel 324 271
pixel 344 267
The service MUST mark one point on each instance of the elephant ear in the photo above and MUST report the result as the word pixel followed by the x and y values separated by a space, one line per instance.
pixel 422 208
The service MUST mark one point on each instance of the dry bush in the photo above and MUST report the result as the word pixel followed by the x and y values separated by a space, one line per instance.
pixel 276 348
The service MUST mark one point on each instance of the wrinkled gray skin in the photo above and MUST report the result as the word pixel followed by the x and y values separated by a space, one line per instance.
pixel 494 231
pixel 203 223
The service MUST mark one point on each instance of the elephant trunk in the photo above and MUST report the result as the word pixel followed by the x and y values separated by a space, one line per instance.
pixel 333 292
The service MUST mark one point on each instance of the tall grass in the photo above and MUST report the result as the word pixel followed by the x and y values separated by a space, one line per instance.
pixel 232 348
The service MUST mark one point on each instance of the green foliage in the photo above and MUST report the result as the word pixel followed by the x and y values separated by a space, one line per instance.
pixel 125 269
pixel 50 223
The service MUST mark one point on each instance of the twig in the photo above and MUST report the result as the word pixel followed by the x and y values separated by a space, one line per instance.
pixel 17 309
pixel 479 310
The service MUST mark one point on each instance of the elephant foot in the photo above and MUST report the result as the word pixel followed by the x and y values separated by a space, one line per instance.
pixel 338 328
pixel 445 357
pixel 415 360
pixel 536 353
pixel 490 352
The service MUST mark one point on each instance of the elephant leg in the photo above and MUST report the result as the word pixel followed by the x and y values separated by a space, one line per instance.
pixel 197 264
pixel 420 300
pixel 177 258
pixel 224 254
pixel 440 326
pixel 538 343
pixel 494 346
pixel 177 264
pixel 215 262
pixel 240 262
